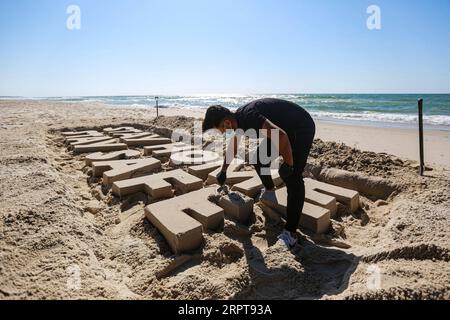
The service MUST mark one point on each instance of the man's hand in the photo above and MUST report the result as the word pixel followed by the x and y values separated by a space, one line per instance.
pixel 285 171
pixel 221 177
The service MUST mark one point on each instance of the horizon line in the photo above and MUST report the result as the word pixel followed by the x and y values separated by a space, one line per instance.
pixel 226 94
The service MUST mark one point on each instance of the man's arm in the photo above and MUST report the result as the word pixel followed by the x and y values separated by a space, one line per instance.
pixel 231 152
pixel 283 144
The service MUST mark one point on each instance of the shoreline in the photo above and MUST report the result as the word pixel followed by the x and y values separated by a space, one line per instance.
pixel 385 125
pixel 404 120
pixel 403 142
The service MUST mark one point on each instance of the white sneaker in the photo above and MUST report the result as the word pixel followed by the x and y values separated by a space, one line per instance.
pixel 268 195
pixel 288 239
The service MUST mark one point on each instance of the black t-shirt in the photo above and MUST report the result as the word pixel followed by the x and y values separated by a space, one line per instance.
pixel 285 114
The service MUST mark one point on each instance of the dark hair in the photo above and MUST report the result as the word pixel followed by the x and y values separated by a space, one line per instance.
pixel 214 116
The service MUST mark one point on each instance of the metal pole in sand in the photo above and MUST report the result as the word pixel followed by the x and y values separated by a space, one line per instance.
pixel 422 165
pixel 157 108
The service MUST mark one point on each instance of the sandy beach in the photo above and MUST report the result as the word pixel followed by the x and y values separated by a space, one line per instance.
pixel 403 143
pixel 56 220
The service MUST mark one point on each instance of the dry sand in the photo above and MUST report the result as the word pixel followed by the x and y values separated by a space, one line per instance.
pixel 402 142
pixel 56 222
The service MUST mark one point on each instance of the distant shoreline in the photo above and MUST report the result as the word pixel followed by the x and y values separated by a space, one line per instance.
pixel 366 119
pixel 400 142
pixel 387 125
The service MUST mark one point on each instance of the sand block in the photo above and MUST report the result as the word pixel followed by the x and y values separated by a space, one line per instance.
pixel 202 171
pixel 124 136
pixel 104 146
pixel 82 134
pixel 83 141
pixel 118 170
pixel 237 206
pixel 159 185
pixel 120 134
pixel 110 131
pixel 346 196
pixel 149 150
pixel 182 219
pixel 320 199
pixel 116 155
pixel 233 177
pixel 234 166
pixel 96 135
pixel 166 150
pixel 147 141
pixel 192 156
pixel 253 186
pixel 313 218
pixel 93 135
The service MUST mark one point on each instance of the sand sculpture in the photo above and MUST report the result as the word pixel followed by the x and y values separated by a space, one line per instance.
pixel 183 218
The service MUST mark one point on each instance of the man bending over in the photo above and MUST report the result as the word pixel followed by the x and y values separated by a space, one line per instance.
pixel 296 130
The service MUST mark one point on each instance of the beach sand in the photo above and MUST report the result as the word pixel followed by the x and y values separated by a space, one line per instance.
pixel 401 142
pixel 57 223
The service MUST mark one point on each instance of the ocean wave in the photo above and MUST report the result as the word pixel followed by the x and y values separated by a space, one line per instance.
pixel 400 108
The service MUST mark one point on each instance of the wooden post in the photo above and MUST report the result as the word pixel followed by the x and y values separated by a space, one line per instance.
pixel 157 107
pixel 422 165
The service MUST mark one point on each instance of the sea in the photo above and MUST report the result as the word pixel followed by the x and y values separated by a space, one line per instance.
pixel 393 110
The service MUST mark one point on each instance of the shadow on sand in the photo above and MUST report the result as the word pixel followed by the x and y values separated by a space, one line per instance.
pixel 309 271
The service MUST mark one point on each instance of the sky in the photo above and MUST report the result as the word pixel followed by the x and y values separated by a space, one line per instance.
pixel 146 47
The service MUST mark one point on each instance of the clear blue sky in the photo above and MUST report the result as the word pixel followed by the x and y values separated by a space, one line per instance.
pixel 133 47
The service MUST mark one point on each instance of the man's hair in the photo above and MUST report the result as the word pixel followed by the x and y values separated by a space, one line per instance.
pixel 214 116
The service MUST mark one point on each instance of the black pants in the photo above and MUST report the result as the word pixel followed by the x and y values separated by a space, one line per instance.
pixel 301 142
